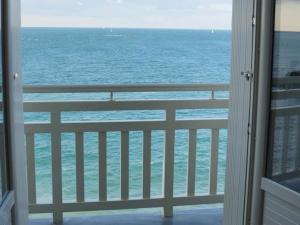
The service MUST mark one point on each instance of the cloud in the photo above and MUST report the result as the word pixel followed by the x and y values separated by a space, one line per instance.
pixel 201 7
pixel 216 7
pixel 224 7
pixel 80 3
pixel 116 1
pixel 128 13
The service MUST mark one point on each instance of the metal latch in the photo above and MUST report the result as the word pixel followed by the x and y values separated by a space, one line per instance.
pixel 248 75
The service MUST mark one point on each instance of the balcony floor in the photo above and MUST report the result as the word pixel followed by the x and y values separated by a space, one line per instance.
pixel 186 217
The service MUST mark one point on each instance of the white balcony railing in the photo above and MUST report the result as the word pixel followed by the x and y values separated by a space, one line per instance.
pixel 284 140
pixel 55 127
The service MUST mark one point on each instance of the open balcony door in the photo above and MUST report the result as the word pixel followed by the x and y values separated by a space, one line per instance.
pixel 240 129
pixel 276 198
pixel 13 204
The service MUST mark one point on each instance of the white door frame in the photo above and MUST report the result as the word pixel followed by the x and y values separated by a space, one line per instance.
pixel 263 106
pixel 15 123
pixel 242 113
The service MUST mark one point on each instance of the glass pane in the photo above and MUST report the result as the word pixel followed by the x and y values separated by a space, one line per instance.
pixel 3 172
pixel 284 142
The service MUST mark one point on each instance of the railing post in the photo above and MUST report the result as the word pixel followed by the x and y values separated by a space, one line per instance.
pixel 124 165
pixel 169 163
pixel 297 163
pixel 213 95
pixel 284 153
pixel 191 174
pixel 56 168
pixel 31 168
pixel 79 166
pixel 147 164
pixel 213 172
pixel 102 166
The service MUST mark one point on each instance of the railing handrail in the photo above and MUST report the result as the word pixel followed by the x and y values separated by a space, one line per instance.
pixel 286 80
pixel 124 88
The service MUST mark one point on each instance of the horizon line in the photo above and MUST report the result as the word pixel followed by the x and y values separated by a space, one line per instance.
pixel 145 28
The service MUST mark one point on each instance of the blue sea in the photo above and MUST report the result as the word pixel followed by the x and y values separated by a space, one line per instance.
pixel 125 56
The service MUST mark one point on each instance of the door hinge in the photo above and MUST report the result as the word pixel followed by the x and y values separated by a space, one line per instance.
pixel 248 75
pixel 249 129
pixel 253 21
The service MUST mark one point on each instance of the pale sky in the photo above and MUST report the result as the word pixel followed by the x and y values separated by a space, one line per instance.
pixel 194 14
pixel 287 15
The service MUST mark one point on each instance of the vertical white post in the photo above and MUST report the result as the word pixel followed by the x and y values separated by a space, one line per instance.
pixel 284 153
pixel 213 173
pixel 192 162
pixel 102 166
pixel 31 168
pixel 79 167
pixel 56 168
pixel 169 164
pixel 147 164
pixel 243 35
pixel 124 165
pixel 297 163
pixel 271 141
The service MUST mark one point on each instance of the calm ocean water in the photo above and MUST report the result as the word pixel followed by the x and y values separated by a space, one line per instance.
pixel 125 56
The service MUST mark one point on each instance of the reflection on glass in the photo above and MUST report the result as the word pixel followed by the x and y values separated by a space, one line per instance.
pixel 3 172
pixel 284 138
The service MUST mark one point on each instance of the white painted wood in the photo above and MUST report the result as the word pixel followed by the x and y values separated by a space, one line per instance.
pixel 3 161
pixel 123 88
pixel 282 207
pixel 285 94
pixel 10 31
pixel 284 153
pixel 286 176
pixel 191 175
pixel 168 173
pixel 71 106
pixel 286 110
pixel 31 176
pixel 270 221
pixel 128 204
pixel 280 219
pixel 297 162
pixel 270 131
pixel 147 164
pixel 120 125
pixel 277 204
pixel 56 169
pixel 281 192
pixel 102 166
pixel 124 165
pixel 15 123
pixel 237 169
pixel 213 172
pixel 5 209
pixel 79 167
pixel 169 125
pixel 284 81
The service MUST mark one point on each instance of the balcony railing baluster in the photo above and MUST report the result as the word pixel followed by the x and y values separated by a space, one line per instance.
pixel 191 175
pixel 79 166
pixel 147 164
pixel 31 168
pixel 213 173
pixel 102 166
